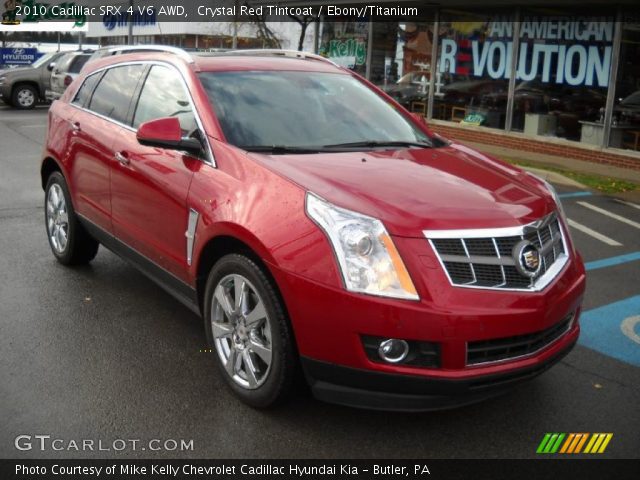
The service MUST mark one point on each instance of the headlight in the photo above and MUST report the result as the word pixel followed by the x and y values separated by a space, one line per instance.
pixel 558 203
pixel 368 259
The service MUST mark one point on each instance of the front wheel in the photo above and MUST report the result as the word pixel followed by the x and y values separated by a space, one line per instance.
pixel 24 97
pixel 69 241
pixel 248 329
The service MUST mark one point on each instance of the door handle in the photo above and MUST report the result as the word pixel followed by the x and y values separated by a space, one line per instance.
pixel 122 158
pixel 75 126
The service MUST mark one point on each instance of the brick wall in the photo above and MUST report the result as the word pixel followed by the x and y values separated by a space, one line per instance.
pixel 520 141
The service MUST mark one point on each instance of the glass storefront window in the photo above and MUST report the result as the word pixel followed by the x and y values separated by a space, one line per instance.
pixel 562 75
pixel 625 128
pixel 401 61
pixel 345 43
pixel 473 68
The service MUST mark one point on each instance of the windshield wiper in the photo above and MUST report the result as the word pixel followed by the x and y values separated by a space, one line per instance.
pixel 380 143
pixel 279 149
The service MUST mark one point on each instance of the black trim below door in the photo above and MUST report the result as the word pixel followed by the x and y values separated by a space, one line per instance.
pixel 182 292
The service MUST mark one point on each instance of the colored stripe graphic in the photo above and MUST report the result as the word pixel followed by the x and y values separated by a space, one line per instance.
pixel 572 443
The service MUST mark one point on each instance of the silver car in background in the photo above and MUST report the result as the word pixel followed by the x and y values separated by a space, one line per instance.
pixel 64 71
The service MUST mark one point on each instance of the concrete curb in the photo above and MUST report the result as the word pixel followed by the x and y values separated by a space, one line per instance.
pixel 554 177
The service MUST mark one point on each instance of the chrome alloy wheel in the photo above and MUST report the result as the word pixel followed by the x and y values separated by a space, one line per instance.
pixel 57 218
pixel 241 331
pixel 26 98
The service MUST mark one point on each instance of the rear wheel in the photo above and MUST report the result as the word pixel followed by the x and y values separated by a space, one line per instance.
pixel 247 328
pixel 69 241
pixel 24 97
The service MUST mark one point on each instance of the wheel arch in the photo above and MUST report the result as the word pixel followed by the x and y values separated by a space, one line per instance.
pixel 31 83
pixel 224 243
pixel 48 166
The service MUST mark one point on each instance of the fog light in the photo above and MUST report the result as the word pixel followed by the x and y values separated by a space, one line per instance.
pixel 393 350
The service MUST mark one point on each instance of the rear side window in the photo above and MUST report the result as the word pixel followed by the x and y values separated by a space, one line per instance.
pixel 78 63
pixel 84 92
pixel 163 95
pixel 112 96
pixel 63 62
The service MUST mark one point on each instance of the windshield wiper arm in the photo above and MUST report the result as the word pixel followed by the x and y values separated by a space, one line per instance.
pixel 279 149
pixel 381 143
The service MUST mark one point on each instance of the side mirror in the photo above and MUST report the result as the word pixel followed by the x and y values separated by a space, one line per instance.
pixel 166 133
pixel 51 66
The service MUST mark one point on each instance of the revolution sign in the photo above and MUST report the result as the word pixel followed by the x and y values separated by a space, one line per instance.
pixel 573 52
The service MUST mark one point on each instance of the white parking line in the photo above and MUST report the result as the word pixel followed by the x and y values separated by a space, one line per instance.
pixel 594 234
pixel 609 214
pixel 634 205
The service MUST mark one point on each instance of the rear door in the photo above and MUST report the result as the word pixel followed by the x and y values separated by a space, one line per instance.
pixel 102 112
pixel 149 185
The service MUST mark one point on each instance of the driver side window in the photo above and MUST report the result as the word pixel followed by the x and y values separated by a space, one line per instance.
pixel 163 95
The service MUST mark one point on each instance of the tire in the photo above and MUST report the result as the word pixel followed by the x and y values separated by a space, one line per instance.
pixel 249 331
pixel 69 241
pixel 24 97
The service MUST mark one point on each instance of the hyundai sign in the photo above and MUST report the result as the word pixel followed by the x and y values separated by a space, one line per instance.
pixel 18 56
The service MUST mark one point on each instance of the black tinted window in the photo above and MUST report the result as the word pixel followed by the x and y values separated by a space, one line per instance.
pixel 302 109
pixel 84 92
pixel 113 94
pixel 163 95
pixel 78 63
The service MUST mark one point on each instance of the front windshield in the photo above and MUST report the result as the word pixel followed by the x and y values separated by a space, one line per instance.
pixel 42 60
pixel 303 110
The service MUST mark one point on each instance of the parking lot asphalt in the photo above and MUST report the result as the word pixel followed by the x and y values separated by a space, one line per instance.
pixel 100 352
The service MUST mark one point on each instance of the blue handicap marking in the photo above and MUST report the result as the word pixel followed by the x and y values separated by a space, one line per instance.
pixel 575 194
pixel 601 330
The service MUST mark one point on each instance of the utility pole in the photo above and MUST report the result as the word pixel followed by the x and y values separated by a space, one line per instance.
pixel 130 35
pixel 234 40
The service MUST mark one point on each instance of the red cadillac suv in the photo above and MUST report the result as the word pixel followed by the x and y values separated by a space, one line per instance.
pixel 313 222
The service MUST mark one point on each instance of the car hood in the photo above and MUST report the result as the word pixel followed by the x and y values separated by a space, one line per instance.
pixel 412 190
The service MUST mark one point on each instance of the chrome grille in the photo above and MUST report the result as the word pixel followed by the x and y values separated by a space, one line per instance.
pixel 500 349
pixel 485 258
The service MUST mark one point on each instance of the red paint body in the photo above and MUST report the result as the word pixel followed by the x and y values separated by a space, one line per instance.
pixel 260 200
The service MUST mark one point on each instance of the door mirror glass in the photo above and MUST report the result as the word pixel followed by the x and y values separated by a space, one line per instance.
pixel 166 133
pixel 51 66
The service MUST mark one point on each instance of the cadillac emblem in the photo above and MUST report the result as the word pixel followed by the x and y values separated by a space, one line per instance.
pixel 527 258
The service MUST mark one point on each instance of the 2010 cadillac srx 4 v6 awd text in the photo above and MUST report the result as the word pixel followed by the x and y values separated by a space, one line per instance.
pixel 316 225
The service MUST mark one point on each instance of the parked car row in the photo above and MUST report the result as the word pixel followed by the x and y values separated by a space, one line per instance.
pixel 47 78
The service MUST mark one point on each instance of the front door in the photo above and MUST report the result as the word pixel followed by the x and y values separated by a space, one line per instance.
pixel 150 185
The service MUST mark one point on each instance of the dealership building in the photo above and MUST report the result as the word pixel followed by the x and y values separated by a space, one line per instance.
pixel 554 78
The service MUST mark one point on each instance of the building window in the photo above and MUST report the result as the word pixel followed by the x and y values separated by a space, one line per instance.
pixel 401 61
pixel 345 43
pixel 625 128
pixel 562 79
pixel 473 68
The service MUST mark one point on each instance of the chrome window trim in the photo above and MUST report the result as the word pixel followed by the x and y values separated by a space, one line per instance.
pixel 210 160
pixel 541 283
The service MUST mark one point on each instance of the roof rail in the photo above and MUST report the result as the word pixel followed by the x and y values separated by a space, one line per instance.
pixel 160 48
pixel 279 53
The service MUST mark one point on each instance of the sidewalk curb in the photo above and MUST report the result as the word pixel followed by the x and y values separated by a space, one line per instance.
pixel 554 177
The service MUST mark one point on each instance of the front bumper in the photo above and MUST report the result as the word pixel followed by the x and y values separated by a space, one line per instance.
pixel 329 325
pixel 383 391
